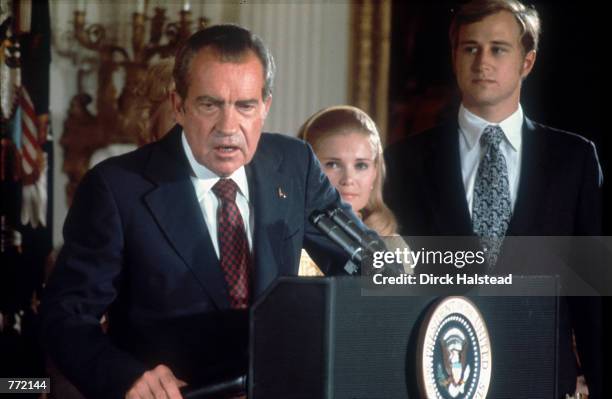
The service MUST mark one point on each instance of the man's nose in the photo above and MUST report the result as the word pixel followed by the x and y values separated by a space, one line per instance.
pixel 482 61
pixel 228 121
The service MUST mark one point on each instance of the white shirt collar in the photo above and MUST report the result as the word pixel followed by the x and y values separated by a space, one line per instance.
pixel 472 126
pixel 205 179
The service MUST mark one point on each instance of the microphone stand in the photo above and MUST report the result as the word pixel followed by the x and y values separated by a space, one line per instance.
pixel 227 388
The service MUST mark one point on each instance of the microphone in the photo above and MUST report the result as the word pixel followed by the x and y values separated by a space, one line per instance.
pixel 368 240
pixel 358 243
pixel 333 231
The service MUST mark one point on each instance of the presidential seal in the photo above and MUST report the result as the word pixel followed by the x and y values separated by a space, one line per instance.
pixel 454 352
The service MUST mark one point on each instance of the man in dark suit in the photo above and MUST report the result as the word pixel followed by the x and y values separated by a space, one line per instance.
pixel 175 240
pixel 493 172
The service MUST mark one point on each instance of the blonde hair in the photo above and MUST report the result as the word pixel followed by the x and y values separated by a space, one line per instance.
pixel 346 119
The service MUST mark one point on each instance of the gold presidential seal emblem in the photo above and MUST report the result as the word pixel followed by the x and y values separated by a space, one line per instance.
pixel 454 352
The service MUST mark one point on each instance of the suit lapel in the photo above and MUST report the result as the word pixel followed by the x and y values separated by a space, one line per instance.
pixel 174 205
pixel 270 192
pixel 533 183
pixel 447 193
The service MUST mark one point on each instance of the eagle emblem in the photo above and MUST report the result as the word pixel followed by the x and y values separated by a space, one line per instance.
pixel 456 370
pixel 454 351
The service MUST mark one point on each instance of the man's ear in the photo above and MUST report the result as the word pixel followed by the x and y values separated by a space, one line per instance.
pixel 453 54
pixel 178 107
pixel 267 104
pixel 528 63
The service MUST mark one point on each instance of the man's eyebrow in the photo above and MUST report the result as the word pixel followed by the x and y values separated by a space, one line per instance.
pixel 494 42
pixel 464 42
pixel 249 101
pixel 502 43
pixel 206 98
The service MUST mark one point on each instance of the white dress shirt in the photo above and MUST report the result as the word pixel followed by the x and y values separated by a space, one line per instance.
pixel 203 180
pixel 471 128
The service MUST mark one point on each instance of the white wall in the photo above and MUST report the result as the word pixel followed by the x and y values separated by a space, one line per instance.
pixel 309 41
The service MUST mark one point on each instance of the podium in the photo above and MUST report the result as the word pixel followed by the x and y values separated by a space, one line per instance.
pixel 324 338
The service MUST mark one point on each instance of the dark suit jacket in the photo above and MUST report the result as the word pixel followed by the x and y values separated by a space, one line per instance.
pixel 559 190
pixel 559 194
pixel 137 247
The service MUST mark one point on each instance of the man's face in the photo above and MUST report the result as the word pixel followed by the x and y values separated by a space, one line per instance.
pixel 489 65
pixel 224 111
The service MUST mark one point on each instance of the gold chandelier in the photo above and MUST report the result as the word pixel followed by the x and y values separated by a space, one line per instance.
pixel 113 123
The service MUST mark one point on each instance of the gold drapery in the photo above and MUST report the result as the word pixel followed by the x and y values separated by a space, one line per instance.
pixel 369 59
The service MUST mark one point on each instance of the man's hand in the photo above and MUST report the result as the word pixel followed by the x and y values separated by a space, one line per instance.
pixel 158 383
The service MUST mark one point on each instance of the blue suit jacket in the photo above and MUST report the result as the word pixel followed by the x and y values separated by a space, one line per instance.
pixel 137 247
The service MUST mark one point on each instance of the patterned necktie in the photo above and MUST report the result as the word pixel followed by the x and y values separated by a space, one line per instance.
pixel 233 244
pixel 491 207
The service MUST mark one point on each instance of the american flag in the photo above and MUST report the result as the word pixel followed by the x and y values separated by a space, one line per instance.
pixel 31 150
